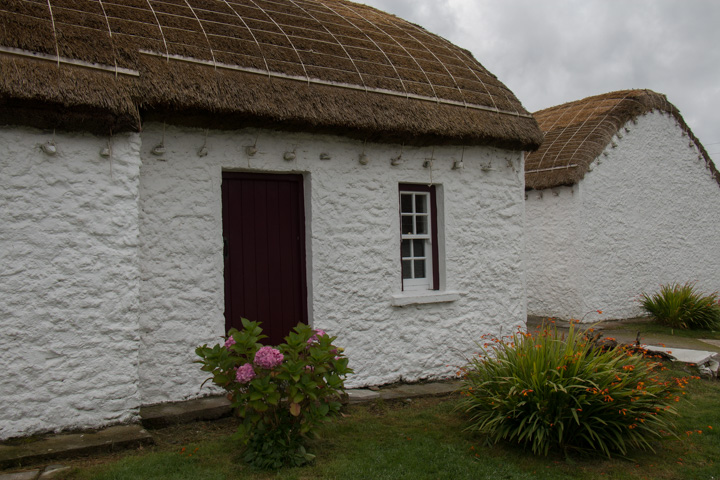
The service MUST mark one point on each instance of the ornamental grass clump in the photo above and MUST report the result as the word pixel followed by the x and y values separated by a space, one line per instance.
pixel 562 393
pixel 681 306
pixel 281 393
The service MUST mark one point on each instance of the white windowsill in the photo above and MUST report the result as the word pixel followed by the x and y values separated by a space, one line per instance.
pixel 419 297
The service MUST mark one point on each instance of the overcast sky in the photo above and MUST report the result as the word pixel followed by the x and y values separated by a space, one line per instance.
pixel 550 52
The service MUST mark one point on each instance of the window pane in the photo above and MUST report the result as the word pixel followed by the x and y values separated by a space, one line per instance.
pixel 418 248
pixel 407 224
pixel 421 224
pixel 406 203
pixel 419 268
pixel 421 203
pixel 406 249
pixel 407 268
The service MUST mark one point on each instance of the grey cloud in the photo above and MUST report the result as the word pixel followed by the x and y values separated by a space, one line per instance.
pixel 553 51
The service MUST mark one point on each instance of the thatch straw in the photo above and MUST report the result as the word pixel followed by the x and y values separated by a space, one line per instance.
pixel 576 133
pixel 328 65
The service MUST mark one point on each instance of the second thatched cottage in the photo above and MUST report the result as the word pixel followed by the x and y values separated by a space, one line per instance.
pixel 621 197
pixel 168 167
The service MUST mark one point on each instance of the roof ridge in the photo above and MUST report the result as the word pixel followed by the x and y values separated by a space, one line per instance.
pixel 570 145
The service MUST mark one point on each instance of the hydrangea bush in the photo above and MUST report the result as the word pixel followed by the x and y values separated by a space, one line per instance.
pixel 281 393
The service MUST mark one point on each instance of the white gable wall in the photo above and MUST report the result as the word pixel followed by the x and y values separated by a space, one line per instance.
pixel 69 284
pixel 353 251
pixel 652 217
pixel 648 216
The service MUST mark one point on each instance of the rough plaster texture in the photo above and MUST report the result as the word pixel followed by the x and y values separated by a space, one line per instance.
pixel 554 275
pixel 69 283
pixel 113 270
pixel 352 251
pixel 645 215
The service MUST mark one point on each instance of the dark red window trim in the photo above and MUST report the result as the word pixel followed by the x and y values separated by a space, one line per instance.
pixel 412 187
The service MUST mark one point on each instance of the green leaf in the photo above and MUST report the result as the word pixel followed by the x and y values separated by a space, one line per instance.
pixel 575 415
pixel 259 406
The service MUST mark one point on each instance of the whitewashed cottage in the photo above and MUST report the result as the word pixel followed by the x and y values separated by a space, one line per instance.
pixel 621 198
pixel 169 167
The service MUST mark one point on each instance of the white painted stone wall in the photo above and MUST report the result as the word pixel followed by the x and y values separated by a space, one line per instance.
pixel 353 262
pixel 113 271
pixel 69 283
pixel 646 215
pixel 555 273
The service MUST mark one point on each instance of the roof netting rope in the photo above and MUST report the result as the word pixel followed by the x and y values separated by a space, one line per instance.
pixel 319 41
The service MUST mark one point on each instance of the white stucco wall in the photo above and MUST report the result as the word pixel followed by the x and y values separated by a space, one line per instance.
pixel 113 269
pixel 353 239
pixel 69 283
pixel 647 215
pixel 554 271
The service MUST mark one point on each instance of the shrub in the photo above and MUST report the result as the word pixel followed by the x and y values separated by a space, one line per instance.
pixel 547 392
pixel 281 393
pixel 680 306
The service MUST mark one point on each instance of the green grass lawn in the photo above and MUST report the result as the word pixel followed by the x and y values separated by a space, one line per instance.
pixel 653 328
pixel 422 439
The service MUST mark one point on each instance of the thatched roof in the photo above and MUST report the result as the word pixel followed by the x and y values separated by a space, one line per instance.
pixel 318 65
pixel 576 133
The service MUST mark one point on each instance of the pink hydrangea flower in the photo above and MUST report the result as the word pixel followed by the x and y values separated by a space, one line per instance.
pixel 245 373
pixel 318 333
pixel 229 342
pixel 268 357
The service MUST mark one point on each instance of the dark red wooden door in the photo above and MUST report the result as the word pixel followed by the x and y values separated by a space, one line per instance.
pixel 264 235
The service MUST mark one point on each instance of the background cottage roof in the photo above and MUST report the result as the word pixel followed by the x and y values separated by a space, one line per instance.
pixel 576 133
pixel 319 65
